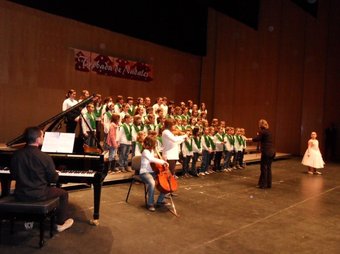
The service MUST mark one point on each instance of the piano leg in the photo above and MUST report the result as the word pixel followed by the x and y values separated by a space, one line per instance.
pixel 5 186
pixel 97 188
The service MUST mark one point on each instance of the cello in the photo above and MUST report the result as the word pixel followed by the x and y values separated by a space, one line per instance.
pixel 165 182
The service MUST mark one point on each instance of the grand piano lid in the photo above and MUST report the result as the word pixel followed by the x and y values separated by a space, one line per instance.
pixel 5 148
pixel 53 123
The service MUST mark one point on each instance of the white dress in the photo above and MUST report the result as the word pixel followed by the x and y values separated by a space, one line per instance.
pixel 313 157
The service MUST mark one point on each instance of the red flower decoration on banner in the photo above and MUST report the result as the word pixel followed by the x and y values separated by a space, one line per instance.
pixel 102 65
pixel 81 62
pixel 140 71
pixel 121 69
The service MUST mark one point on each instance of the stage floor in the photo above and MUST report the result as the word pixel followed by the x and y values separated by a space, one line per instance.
pixel 218 213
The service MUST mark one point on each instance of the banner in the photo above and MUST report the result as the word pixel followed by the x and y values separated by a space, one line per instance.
pixel 111 66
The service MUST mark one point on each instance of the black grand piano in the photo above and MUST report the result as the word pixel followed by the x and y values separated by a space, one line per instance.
pixel 76 167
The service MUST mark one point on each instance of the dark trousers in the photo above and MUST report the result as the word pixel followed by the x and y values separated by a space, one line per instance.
pixel 172 166
pixel 90 140
pixel 236 159
pixel 61 214
pixel 217 160
pixel 186 161
pixel 205 161
pixel 193 163
pixel 227 159
pixel 71 126
pixel 211 158
pixel 241 159
pixel 265 180
pixel 98 130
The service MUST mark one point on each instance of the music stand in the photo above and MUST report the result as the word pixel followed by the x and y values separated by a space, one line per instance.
pixel 58 142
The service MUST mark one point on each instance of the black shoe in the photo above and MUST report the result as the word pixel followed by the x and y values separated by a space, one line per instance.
pixel 193 173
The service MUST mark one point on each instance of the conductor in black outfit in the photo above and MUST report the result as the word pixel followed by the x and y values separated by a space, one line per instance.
pixel 264 136
pixel 33 172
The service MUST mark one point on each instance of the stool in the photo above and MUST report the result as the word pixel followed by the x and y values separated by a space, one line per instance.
pixel 135 165
pixel 11 209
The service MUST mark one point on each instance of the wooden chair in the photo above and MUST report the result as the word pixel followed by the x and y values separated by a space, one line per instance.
pixel 135 164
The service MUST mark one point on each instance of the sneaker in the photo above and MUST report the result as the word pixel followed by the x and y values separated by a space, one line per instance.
pixel 201 174
pixel 67 224
pixel 151 208
pixel 310 172
pixel 206 173
pixel 29 225
pixel 163 203
pixel 317 173
pixel 193 173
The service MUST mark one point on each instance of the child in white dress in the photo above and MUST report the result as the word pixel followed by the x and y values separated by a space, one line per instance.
pixel 313 158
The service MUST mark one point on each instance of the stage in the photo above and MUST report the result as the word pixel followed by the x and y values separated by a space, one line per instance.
pixel 218 213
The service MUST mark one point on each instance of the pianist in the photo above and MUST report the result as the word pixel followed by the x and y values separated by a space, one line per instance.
pixel 33 172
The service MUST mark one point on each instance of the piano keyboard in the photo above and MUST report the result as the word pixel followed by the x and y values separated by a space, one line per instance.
pixel 4 171
pixel 77 173
pixel 73 173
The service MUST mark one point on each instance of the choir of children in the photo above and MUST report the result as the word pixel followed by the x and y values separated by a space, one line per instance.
pixel 125 125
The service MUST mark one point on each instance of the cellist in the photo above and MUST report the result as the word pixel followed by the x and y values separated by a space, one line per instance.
pixel 148 175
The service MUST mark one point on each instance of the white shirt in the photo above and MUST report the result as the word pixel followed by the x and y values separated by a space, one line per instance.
pixel 87 127
pixel 147 158
pixel 185 149
pixel 122 135
pixel 69 103
pixel 229 146
pixel 138 151
pixel 238 146
pixel 106 122
pixel 195 148
pixel 156 107
pixel 171 145
pixel 219 144
pixel 165 109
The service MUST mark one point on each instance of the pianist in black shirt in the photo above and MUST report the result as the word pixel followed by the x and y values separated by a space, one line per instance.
pixel 33 172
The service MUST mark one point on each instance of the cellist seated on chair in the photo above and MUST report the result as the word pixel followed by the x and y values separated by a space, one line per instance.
pixel 148 175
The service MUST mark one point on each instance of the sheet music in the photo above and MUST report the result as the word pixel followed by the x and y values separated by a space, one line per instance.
pixel 58 142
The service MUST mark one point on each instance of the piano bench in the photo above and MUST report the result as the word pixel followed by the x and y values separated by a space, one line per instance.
pixel 39 211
